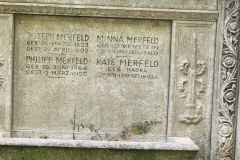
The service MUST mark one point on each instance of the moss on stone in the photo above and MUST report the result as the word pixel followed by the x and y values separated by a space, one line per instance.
pixel 47 153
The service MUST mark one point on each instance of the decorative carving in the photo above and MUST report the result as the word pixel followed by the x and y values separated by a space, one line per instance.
pixel 229 71
pixel 33 8
pixel 192 87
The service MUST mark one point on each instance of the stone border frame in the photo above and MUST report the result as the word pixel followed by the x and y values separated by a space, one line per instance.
pixel 114 12
pixel 226 93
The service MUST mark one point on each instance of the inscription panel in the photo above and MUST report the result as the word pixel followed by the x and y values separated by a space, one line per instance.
pixel 91 78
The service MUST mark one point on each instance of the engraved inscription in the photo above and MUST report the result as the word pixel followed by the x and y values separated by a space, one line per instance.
pixel 59 60
pixel 127 49
pixel 66 55
pixel 91 77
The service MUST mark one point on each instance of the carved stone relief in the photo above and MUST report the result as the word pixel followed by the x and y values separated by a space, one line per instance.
pixel 192 82
pixel 192 87
pixel 229 69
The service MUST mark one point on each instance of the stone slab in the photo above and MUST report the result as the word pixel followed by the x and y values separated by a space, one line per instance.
pixel 91 78
pixel 192 69
pixel 50 153
pixel 103 11
pixel 173 4
pixel 173 144
pixel 6 45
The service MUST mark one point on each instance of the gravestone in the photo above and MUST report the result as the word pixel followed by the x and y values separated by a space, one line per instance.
pixel 104 74
pixel 158 78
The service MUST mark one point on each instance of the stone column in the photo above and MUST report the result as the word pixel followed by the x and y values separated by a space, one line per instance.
pixel 226 110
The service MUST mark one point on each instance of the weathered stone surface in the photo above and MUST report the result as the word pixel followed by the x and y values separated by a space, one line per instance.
pixel 40 153
pixel 192 78
pixel 6 39
pixel 229 130
pixel 89 78
pixel 102 11
pixel 173 4
pixel 29 148
pixel 172 144
pixel 194 101
pixel 226 127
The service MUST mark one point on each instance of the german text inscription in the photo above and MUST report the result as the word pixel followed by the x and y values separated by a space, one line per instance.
pixel 91 77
